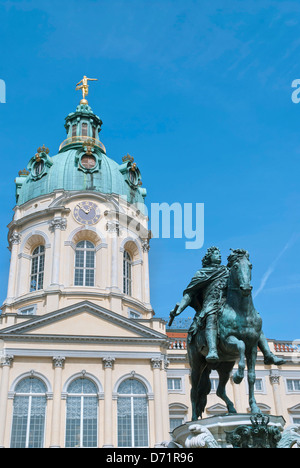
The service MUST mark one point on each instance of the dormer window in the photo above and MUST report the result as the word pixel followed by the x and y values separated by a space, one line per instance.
pixel 39 167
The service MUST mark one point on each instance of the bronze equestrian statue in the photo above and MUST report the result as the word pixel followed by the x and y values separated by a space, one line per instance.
pixel 226 327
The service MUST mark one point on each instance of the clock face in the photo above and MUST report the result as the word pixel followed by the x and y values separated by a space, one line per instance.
pixel 87 212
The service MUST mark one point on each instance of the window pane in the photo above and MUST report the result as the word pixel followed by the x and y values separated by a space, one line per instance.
pixel 37 422
pixel 19 424
pixel 124 422
pixel 140 422
pixel 175 422
pixel 297 385
pixel 73 422
pixel 90 409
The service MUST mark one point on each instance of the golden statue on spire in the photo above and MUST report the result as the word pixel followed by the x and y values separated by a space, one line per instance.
pixel 85 88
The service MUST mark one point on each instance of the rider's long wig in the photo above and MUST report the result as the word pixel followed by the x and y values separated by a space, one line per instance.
pixel 206 260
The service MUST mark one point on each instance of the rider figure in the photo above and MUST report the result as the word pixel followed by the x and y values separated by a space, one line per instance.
pixel 205 294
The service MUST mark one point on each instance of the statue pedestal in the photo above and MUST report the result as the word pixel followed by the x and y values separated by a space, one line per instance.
pixel 211 432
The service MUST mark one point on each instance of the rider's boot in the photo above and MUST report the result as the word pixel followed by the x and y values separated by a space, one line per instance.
pixel 269 357
pixel 211 338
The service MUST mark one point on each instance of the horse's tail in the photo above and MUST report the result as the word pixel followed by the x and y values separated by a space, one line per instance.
pixel 203 390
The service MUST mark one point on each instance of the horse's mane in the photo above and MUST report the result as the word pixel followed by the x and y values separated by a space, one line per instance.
pixel 236 255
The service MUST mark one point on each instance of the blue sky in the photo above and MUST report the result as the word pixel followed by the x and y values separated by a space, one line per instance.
pixel 199 92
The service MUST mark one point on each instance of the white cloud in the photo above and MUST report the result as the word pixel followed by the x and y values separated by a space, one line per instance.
pixel 273 265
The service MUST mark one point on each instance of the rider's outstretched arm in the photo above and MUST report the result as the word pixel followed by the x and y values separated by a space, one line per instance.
pixel 185 301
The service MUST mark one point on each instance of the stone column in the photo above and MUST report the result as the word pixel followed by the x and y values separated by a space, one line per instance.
pixel 6 364
pixel 56 225
pixel 236 396
pixel 113 228
pixel 58 364
pixel 146 292
pixel 14 241
pixel 138 279
pixel 108 363
pixel 156 366
pixel 165 400
pixel 274 379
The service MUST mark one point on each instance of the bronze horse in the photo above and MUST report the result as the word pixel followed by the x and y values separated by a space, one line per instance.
pixel 240 328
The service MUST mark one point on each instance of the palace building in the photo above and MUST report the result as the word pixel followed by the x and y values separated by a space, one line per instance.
pixel 84 360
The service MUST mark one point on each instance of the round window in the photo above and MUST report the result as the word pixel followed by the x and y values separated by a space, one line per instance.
pixel 88 161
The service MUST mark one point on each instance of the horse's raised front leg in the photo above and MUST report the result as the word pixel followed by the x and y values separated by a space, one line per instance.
pixel 234 345
pixel 251 360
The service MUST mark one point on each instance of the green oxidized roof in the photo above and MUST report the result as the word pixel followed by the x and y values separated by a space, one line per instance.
pixel 65 171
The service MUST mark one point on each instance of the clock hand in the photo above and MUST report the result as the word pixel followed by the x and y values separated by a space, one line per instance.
pixel 83 209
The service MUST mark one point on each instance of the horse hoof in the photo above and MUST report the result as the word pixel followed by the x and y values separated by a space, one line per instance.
pixel 237 378
pixel 212 358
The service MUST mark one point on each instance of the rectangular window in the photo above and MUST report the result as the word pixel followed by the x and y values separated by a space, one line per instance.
pixel 84 264
pixel 27 310
pixel 174 383
pixel 37 268
pixel 214 384
pixel 74 130
pixel 258 386
pixel 293 385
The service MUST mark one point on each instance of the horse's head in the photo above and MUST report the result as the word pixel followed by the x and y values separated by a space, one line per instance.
pixel 240 271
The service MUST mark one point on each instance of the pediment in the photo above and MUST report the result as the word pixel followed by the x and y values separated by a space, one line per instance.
pixel 218 408
pixel 294 409
pixel 83 321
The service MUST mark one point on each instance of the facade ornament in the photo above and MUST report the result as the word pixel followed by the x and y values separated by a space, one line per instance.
pixel 58 361
pixel 290 437
pixel 7 360
pixel 274 377
pixel 200 437
pixel 259 435
pixel 23 173
pixel 15 238
pixel 166 363
pixel 84 87
pixel 145 245
pixel 108 362
pixel 156 362
pixel 127 157
pixel 58 223
pixel 113 227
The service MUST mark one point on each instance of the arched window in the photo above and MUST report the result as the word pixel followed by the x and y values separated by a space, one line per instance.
pixel 127 274
pixel 132 414
pixel 28 426
pixel 82 414
pixel 37 268
pixel 85 264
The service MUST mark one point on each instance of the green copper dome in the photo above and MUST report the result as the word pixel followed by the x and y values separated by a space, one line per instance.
pixel 81 164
